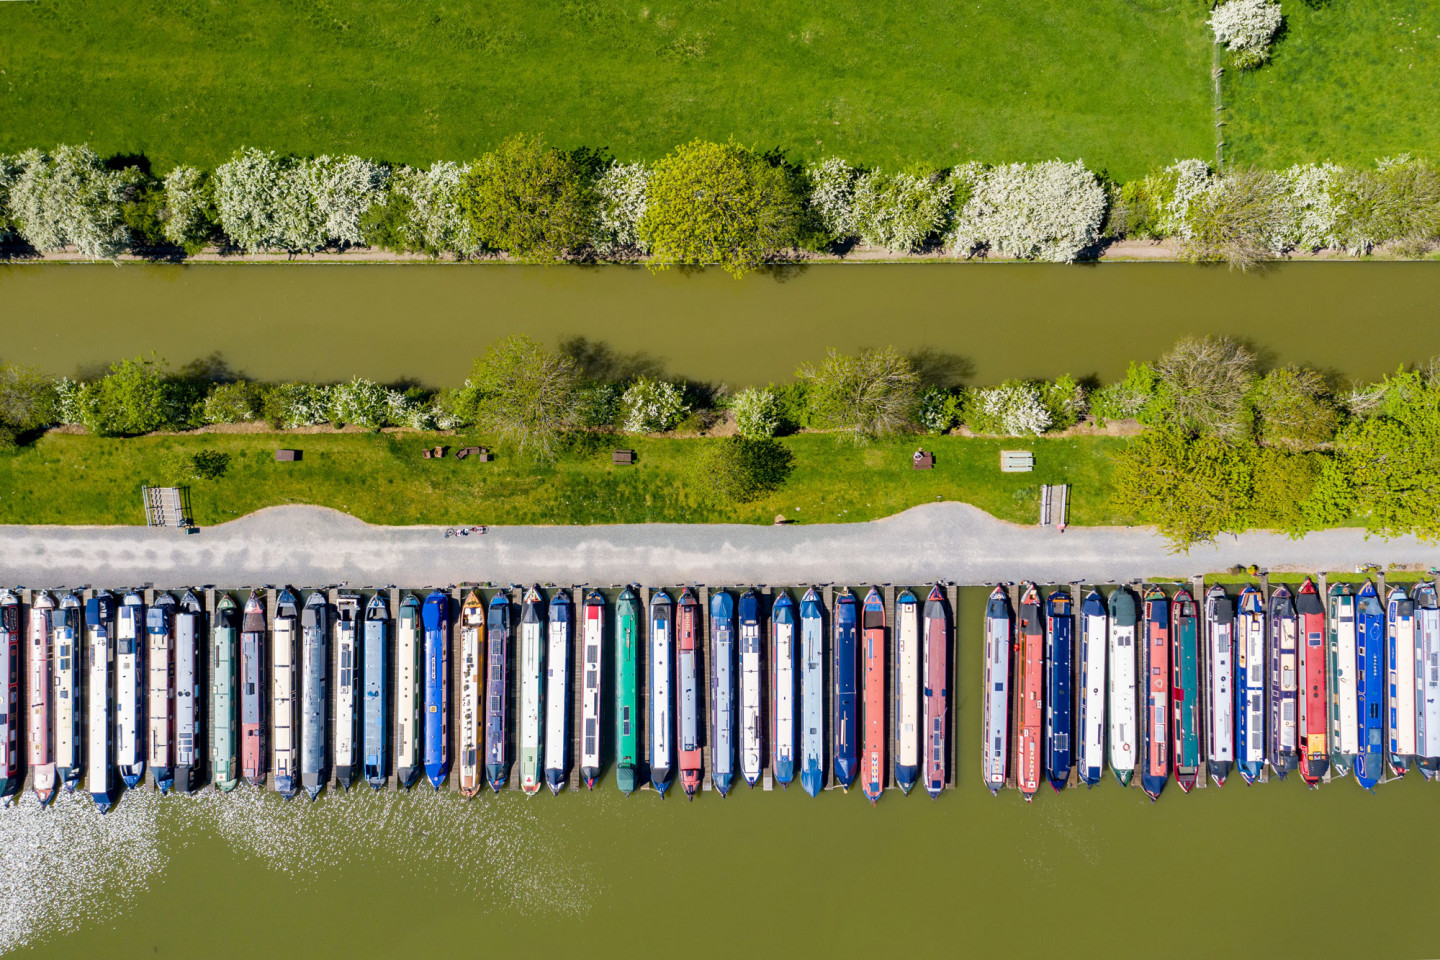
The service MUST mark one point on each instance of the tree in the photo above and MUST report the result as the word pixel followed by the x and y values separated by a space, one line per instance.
pixel 743 469
pixel 1283 484
pixel 899 211
pixel 1293 405
pixel 719 203
pixel 1243 220
pixel 27 398
pixel 1191 488
pixel 133 398
pixel 1033 211
pixel 530 200
pixel 1203 382
pixel 69 198
pixel 522 392
pixel 189 218
pixel 872 394
pixel 1400 200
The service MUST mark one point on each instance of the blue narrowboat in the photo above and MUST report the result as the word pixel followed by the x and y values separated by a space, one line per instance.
pixel 497 690
pixel 1370 686
pixel 846 700
pixel 435 620
pixel 1059 705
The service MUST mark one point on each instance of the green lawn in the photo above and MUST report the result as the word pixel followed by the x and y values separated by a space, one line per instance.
pixel 1349 82
pixel 1122 84
pixel 383 479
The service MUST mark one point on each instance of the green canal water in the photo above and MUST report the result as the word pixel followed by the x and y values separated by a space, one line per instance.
pixel 1272 870
pixel 995 320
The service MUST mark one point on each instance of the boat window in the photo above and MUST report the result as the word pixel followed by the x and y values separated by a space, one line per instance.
pixel 1374 711
pixel 1312 639
pixel 1374 736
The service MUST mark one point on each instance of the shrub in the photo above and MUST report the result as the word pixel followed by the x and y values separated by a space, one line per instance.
pixel 742 469
pixel 599 405
pixel 871 394
pixel 1293 405
pixel 264 200
pixel 722 204
pixel 1135 211
pixel 69 199
pixel 651 406
pixel 1203 384
pixel 832 197
pixel 27 398
pixel 291 405
pixel 940 409
pixel 1129 399
pixel 757 413
pixel 792 406
pixel 72 400
pixel 1312 206
pixel 522 392
pixel 619 207
pixel 1399 200
pixel 238 402
pixel 1243 220
pixel 1042 211
pixel 530 200
pixel 1065 401
pixel 1283 485
pixel 421 213
pixel 900 211
pixel 247 198
pixel 1245 28
pixel 135 397
pixel 365 404
pixel 1192 489
pixel 1014 408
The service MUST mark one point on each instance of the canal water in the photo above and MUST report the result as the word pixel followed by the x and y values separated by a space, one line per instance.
pixel 1272 870
pixel 985 322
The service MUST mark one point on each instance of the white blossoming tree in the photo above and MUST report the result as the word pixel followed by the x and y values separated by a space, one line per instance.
pixel 652 406
pixel 757 412
pixel 619 207
pixel 1033 211
pixel 434 221
pixel 1313 224
pixel 1245 28
pixel 266 200
pixel 899 211
pixel 1014 408
pixel 188 208
pixel 362 402
pixel 832 197
pixel 68 198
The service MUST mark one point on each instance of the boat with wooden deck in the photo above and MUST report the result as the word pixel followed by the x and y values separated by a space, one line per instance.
pixel 627 691
pixel 407 692
pixel 782 689
pixel 347 684
pixel 875 660
pixel 592 687
pixel 1090 723
pixel 844 700
pixel 435 725
pixel 560 631
pixel 533 646
pixel 130 683
pixel 254 752
pixel 1219 691
pixel 1123 720
pixel 100 646
pixel 812 693
pixel 1284 683
pixel 284 676
pixel 39 702
pixel 160 631
pixel 1314 718
pixel 314 691
pixel 1029 687
pixel 189 692
pixel 9 695
pixel 1340 678
pixel 1059 697
pixel 722 697
pixel 1185 688
pixel 497 691
pixel 908 644
pixel 1400 631
pixel 995 712
pixel 1155 668
pixel 662 684
pixel 1427 679
pixel 936 708
pixel 375 723
pixel 1370 686
pixel 752 740
pixel 472 691
pixel 1250 679
pixel 224 709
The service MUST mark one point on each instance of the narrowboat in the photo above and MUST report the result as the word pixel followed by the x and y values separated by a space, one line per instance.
pixel 1370 686
pixel 99 625
pixel 874 658
pixel 472 690
pixel 1220 692
pixel 160 629
pixel 812 693
pixel 999 652
pixel 1185 688
pixel 314 690
pixel 1427 680
pixel 557 692
pixel 907 691
pixel 376 737
pixel 936 630
pixel 284 678
pixel 1030 686
pixel 845 720
pixel 592 688
pixel 627 691
pixel 722 696
pixel 752 745
pixel 497 691
pixel 662 680
pixel 782 689
pixel 1284 682
pixel 1250 685
pixel 347 681
pixel 435 620
pixel 1123 727
pixel 1155 668
pixel 1059 699
pixel 9 695
pixel 1090 724
pixel 254 752
pixel 1400 630
pixel 408 647
pixel 1314 722
pixel 224 698
pixel 1341 695
pixel 69 689
pixel 129 673
pixel 39 688
pixel 189 692
pixel 532 690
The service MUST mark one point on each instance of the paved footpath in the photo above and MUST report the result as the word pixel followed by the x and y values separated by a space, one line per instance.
pixel 311 546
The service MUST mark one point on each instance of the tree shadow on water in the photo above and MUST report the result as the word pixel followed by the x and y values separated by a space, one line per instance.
pixel 940 368
pixel 597 361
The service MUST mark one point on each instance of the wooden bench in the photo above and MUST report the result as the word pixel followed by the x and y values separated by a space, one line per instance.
pixel 287 456
pixel 1016 461
pixel 623 456
pixel 920 460
pixel 434 453
pixel 479 453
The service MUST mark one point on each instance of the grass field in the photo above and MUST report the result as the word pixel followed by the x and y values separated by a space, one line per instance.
pixel 1349 82
pixel 1122 84
pixel 383 479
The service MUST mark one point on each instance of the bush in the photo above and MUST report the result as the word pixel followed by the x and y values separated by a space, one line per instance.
pixel 899 212
pixel 522 392
pixel 70 199
pixel 1129 399
pixel 1203 385
pixel 832 197
pixel 1192 489
pixel 238 402
pixel 757 413
pixel 1293 405
pixel 1313 209
pixel 421 213
pixel 291 405
pixel 719 203
pixel 529 200
pixel 619 208
pixel 1135 211
pixel 651 406
pixel 135 397
pixel 1033 211
pixel 1242 221
pixel 1399 200
pixel 365 403
pixel 189 217
pixel 265 200
pixel 1245 28
pixel 940 410
pixel 872 394
pixel 599 405
pixel 1064 400
pixel 27 398
pixel 792 406
pixel 1014 408
pixel 742 469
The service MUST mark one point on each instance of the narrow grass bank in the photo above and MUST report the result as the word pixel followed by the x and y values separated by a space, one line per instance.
pixel 383 479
